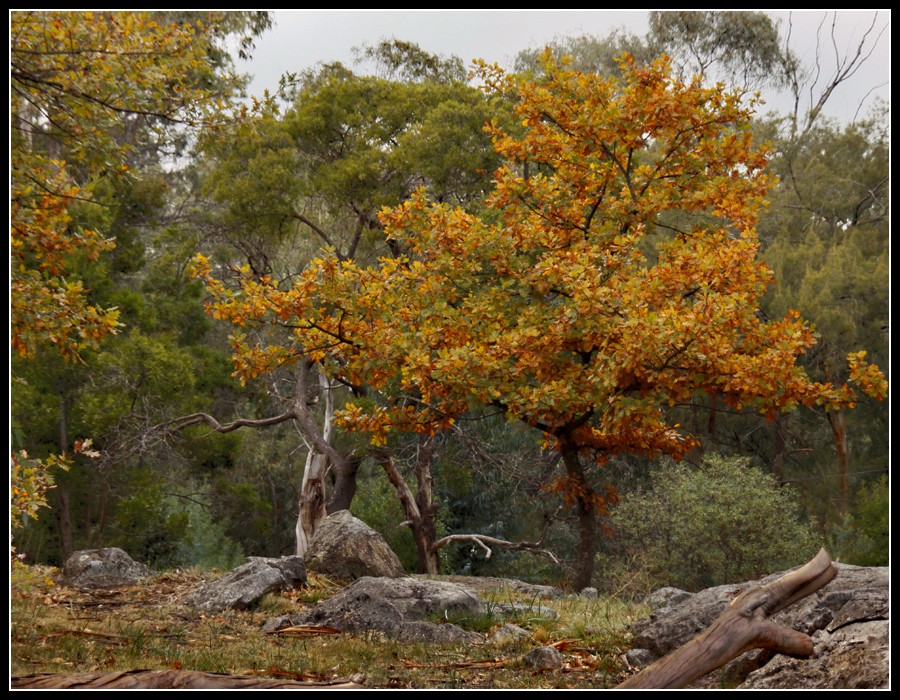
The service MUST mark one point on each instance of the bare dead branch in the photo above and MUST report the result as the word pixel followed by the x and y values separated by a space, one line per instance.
pixel 484 540
pixel 742 627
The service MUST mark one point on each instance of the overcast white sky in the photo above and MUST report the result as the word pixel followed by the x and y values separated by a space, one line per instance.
pixel 302 39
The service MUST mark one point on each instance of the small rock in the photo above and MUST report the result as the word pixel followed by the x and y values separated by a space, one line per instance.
pixel 509 633
pixel 639 658
pixel 109 567
pixel 543 658
pixel 532 611
pixel 274 624
pixel 246 584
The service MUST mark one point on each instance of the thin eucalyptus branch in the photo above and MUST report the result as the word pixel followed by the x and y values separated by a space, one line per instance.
pixel 318 230
pixel 846 66
pixel 179 424
pixel 106 104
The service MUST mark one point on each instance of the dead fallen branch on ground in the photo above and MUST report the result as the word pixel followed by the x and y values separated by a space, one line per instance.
pixel 742 627
pixel 171 679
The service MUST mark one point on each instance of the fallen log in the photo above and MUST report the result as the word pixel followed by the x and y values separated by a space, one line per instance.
pixel 170 679
pixel 742 627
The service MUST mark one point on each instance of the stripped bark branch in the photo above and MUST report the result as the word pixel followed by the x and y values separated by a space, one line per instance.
pixel 484 540
pixel 742 627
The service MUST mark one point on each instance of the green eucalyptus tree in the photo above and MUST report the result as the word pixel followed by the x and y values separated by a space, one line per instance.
pixel 829 233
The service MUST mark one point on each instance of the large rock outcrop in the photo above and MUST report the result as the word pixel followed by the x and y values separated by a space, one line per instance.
pixel 345 548
pixel 243 586
pixel 398 607
pixel 847 620
pixel 109 567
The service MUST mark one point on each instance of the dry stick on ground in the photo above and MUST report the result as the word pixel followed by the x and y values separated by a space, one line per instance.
pixel 743 626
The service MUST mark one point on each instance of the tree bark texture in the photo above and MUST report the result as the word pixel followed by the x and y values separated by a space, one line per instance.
pixel 586 513
pixel 311 509
pixel 344 486
pixel 742 627
pixel 429 558
pixel 838 421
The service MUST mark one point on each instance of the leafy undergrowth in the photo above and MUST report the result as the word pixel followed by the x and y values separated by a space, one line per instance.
pixel 60 630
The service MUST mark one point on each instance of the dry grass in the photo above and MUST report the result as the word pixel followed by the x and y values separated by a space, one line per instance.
pixel 60 630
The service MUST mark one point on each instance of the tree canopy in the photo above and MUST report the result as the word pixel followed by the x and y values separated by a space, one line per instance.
pixel 89 92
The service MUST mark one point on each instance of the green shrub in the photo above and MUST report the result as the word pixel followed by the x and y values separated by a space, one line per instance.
pixel 695 527
pixel 166 530
pixel 148 530
pixel 863 540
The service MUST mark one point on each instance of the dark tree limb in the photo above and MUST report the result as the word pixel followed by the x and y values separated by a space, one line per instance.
pixel 743 626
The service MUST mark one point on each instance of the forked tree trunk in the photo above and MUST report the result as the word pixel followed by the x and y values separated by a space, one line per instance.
pixel 420 518
pixel 742 627
pixel 321 457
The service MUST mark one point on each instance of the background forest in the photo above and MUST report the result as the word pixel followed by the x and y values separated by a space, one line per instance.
pixel 161 219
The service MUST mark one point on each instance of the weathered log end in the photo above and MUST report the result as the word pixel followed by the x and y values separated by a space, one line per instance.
pixel 742 627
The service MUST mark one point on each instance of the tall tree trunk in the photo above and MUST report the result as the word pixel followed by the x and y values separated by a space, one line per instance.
pixel 101 520
pixel 312 501
pixel 64 519
pixel 838 421
pixel 586 512
pixel 711 426
pixel 429 562
pixel 778 457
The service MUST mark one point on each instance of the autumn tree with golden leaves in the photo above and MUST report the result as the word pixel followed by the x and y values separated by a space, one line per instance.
pixel 612 276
